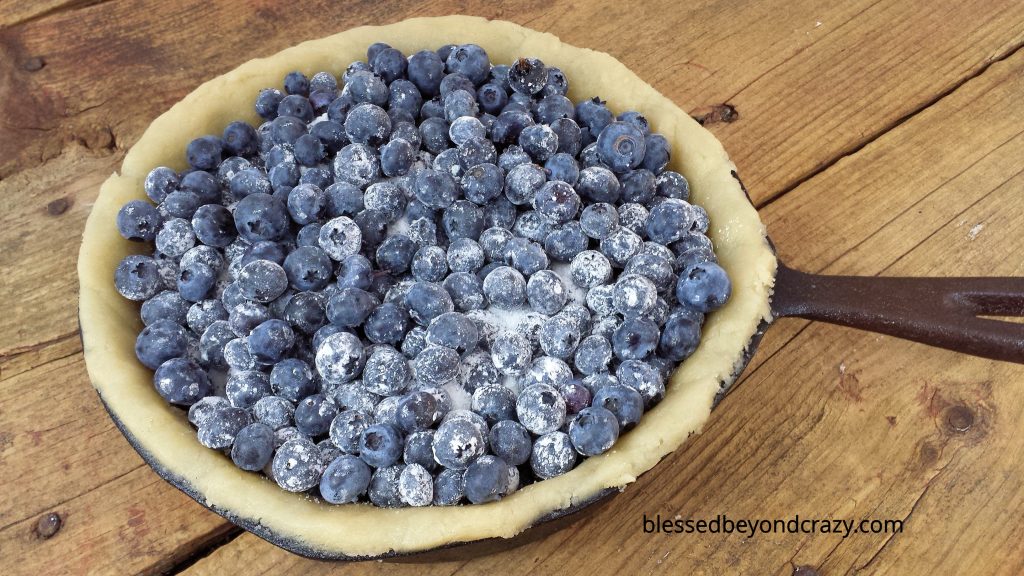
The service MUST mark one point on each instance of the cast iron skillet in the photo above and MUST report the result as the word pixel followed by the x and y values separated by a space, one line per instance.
pixel 943 312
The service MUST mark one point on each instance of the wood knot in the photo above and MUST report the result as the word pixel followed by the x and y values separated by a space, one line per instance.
pixel 959 418
pixel 48 525
pixel 805 571
pixel 33 64
pixel 58 206
pixel 716 113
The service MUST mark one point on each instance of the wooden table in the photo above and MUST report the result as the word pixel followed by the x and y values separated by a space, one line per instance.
pixel 877 138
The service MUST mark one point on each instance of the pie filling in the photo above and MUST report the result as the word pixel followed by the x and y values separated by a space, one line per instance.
pixel 429 282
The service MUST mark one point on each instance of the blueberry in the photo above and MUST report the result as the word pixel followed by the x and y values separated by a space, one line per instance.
pixel 598 184
pixel 523 182
pixel 427 301
pixel 624 402
pixel 509 124
pixel 458 442
pixel 553 455
pixel 267 101
pixel 415 341
pixel 482 183
pixel 449 487
pixel 306 268
pixel 246 316
pixel 262 280
pixel 344 480
pixel 466 291
pixel 654 267
pixel 204 153
pixel 486 479
pixel 505 288
pixel 181 381
pixel 340 357
pixel 340 238
pixel 669 221
pixel 253 447
pixel 590 268
pixel 434 135
pixel 425 70
pixel 404 99
pixel 673 185
pixel 492 98
pixel 593 431
pixel 621 146
pixel 621 245
pixel 137 278
pixel 633 217
pixel 510 441
pixel 415 485
pixel 175 237
pixel 314 414
pixel 594 115
pixel 166 305
pixel 203 185
pixel 554 107
pixel 644 378
pixel 492 242
pixel 593 354
pixel 476 150
pixel 309 150
pixel 429 264
pixel 296 83
pixel 435 189
pixel 511 353
pixel 471 61
pixel 389 64
pixel 396 157
pixel 540 408
pixel 701 221
pixel 270 341
pixel 657 153
pixel 297 465
pixel 705 287
pixel 499 213
pixel 386 411
pixel 680 336
pixel 368 124
pixel 436 364
pixel 453 330
pixel 364 86
pixel 380 445
pixel 387 324
pixel 138 220
pixel 159 342
pixel 273 411
pixel 292 379
pixel 339 107
pixel 564 242
pixel 386 372
pixel 463 219
pixel 531 225
pixel 342 199
pixel 634 295
pixel 220 430
pixel 599 220
pixel 527 76
pixel 261 217
pixel 458 103
pixel 394 255
pixel 557 201
pixel 562 167
pixel 546 293
pixel 494 402
pixel 357 164
pixel 346 430
pixel 195 280
pixel 559 337
pixel 419 450
pixel 635 339
pixel 570 142
pixel 204 409
pixel 416 411
pixel 452 82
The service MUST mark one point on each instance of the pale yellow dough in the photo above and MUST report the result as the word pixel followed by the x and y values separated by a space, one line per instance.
pixel 110 323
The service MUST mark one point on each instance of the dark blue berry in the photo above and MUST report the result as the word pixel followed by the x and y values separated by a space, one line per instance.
pixel 351 306
pixel 253 447
pixel 180 204
pixel 297 465
pixel 656 153
pixel 593 431
pixel 368 124
pixel 557 201
pixel 314 414
pixel 261 217
pixel 274 411
pixel 638 186
pixel 594 115
pixel 195 281
pixel 553 455
pixel 305 312
pixel 505 287
pixel 635 339
pixel 436 364
pixel 471 61
pixel 239 139
pixel 344 480
pixel 426 70
pixel 527 76
pixel 357 164
pixel 267 102
pixel 396 157
pixel 166 305
pixel 593 354
pixel 704 287
pixel 204 153
pixel 429 265
pixel 620 145
pixel 386 372
pixel 453 330
pixel 380 445
pixel 624 402
pixel 562 167
pixel 292 379
pixel 246 316
pixel 598 184
pixel 387 324
pixel 138 220
pixel 486 479
pixel 644 378
pixel 270 341
pixel 296 83
pixel 466 291
pixel 508 125
pixel 416 411
pixel 394 255
pixel 340 238
pixel 138 277
pixel 181 381
pixel 564 242
pixel 389 64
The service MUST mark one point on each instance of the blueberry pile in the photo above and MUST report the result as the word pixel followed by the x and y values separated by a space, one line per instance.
pixel 428 285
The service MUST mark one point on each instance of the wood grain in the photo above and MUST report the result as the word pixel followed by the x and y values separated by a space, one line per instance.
pixel 927 197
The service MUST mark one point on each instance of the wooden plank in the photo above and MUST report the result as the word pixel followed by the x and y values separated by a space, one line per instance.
pixel 838 423
pixel 810 82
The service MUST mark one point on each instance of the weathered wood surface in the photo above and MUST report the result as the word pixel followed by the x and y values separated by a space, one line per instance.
pixel 881 141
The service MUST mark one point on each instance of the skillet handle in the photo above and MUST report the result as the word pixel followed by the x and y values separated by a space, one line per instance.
pixel 943 312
